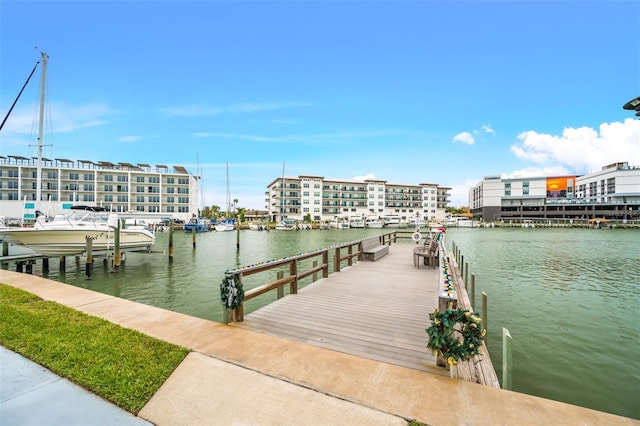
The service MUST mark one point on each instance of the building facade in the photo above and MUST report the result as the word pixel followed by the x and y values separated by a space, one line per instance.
pixel 612 193
pixel 122 187
pixel 315 198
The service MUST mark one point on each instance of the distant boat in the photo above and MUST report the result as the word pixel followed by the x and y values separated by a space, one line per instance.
pixel 373 222
pixel 257 227
pixel 225 225
pixel 394 221
pixel 460 222
pixel 528 224
pixel 196 223
pixel 356 222
pixel 339 223
pixel 286 225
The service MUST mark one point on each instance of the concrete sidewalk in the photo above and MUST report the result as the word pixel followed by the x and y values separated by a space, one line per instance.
pixel 235 376
pixel 32 395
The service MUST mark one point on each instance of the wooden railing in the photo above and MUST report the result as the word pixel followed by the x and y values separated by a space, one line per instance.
pixel 291 270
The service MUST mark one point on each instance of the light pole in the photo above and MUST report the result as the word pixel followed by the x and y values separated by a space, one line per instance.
pixel 634 105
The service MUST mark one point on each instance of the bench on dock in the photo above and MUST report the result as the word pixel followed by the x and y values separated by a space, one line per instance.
pixel 372 249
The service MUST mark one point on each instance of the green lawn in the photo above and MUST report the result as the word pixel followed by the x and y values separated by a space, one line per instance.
pixel 119 364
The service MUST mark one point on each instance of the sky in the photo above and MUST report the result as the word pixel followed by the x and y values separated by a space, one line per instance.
pixel 443 92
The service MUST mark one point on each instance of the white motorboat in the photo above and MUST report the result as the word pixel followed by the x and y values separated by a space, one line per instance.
pixel 394 221
pixel 67 235
pixel 339 223
pixel 373 222
pixel 225 225
pixel 286 225
pixel 460 222
pixel 356 222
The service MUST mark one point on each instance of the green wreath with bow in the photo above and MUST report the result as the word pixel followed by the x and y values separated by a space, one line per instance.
pixel 442 340
pixel 231 292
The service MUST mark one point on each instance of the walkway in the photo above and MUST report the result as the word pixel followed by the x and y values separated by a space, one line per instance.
pixel 236 376
pixel 377 311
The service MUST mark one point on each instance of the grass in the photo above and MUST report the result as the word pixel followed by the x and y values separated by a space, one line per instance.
pixel 121 365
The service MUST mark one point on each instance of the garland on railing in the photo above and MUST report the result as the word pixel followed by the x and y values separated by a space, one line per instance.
pixel 231 292
pixel 442 340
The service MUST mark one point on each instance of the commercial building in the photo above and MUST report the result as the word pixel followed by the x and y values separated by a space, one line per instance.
pixel 316 198
pixel 612 193
pixel 122 187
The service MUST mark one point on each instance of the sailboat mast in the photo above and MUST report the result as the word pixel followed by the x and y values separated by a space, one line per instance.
pixel 45 58
pixel 282 215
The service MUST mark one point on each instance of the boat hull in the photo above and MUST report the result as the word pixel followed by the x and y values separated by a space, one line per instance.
pixel 68 242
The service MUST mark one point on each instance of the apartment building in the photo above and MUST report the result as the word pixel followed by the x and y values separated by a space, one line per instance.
pixel 123 187
pixel 316 198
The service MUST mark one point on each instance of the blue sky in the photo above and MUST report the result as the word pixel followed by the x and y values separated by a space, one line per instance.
pixel 410 92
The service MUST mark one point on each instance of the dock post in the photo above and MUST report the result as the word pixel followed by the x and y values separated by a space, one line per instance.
pixel 19 266
pixel 227 315
pixel 193 236
pixel 171 241
pixel 29 269
pixel 235 202
pixel 336 260
pixel 473 290
pixel 45 265
pixel 5 247
pixel 466 275
pixel 63 263
pixel 116 253
pixel 280 290
pixel 485 317
pixel 315 274
pixel 506 359
pixel 88 267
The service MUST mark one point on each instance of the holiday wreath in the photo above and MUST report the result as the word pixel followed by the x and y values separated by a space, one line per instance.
pixel 443 342
pixel 231 292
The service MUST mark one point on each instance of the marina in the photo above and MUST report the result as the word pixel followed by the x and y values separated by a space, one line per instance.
pixel 553 275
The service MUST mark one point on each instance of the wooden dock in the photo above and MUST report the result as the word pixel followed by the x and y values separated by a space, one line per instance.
pixel 376 310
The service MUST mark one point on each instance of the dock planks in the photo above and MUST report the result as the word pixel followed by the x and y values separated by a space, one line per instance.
pixel 376 310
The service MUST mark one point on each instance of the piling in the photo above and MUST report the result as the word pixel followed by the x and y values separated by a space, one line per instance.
pixel 45 265
pixel 116 254
pixel 171 241
pixel 88 268
pixel 63 263
pixel 5 247
pixel 485 317
pixel 473 289
pixel 506 359
pixel 193 236
pixel 238 232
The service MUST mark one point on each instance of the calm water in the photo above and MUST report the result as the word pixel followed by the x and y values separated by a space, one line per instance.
pixel 571 300
pixel 569 297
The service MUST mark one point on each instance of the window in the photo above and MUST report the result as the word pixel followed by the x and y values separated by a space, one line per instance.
pixel 154 179
pixel 183 190
pixel 525 184
pixel 139 198
pixel 123 179
pixel 170 200
pixel 139 188
pixel 183 181
pixel 507 185
pixel 108 188
pixel 123 198
pixel 87 176
pixel 88 187
pixel 74 176
pixel 507 192
pixel 154 189
pixel 140 179
pixel 108 178
pixel 170 180
pixel 108 198
pixel 13 173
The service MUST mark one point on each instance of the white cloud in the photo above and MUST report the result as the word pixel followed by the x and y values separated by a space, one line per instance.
pixel 59 118
pixel 464 137
pixel 584 149
pixel 203 110
pixel 365 177
pixel 129 138
pixel 487 129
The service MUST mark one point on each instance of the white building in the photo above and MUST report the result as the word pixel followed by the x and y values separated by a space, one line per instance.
pixel 122 187
pixel 315 198
pixel 611 193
